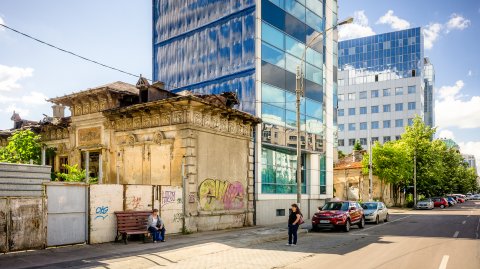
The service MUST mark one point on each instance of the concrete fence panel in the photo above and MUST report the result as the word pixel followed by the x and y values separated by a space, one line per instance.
pixel 104 201
pixel 22 223
pixel 4 211
pixel 171 208
pixel 138 197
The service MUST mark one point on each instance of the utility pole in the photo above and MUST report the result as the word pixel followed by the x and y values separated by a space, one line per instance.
pixel 415 177
pixel 299 93
pixel 370 168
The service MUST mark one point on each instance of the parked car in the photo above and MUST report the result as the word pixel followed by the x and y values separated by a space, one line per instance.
pixel 475 197
pixel 375 212
pixel 425 204
pixel 440 202
pixel 339 214
pixel 451 201
pixel 460 199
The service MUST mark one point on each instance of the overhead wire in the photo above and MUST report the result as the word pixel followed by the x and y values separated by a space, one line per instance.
pixel 70 52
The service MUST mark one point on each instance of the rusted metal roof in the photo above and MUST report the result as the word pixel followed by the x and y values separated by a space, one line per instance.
pixel 118 87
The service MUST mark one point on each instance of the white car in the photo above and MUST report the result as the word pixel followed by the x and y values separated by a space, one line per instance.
pixel 425 204
pixel 375 212
pixel 474 197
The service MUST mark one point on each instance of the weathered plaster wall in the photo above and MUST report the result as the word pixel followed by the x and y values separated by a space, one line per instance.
pixel 138 197
pixel 171 208
pixel 104 201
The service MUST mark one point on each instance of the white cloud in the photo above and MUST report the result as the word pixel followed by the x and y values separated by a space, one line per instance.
pixel 446 134
pixel 450 92
pixel 457 22
pixel 13 107
pixel 451 110
pixel 431 32
pixel 10 75
pixel 395 22
pixel 359 27
pixel 36 98
pixel 2 22
pixel 470 73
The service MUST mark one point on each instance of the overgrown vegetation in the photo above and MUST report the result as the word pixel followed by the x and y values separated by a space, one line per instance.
pixel 74 174
pixel 23 146
pixel 440 170
pixel 357 146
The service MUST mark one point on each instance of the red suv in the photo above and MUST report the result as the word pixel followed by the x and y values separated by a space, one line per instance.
pixel 440 202
pixel 339 214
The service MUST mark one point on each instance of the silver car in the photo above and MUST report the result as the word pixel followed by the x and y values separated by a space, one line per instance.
pixel 425 204
pixel 375 212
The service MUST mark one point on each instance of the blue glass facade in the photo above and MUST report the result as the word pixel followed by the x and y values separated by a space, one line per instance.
pixel 400 52
pixel 208 46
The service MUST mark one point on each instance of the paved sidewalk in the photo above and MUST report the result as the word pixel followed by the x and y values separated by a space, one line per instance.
pixel 95 255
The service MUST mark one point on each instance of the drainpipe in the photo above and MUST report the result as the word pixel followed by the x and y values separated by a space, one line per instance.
pixel 87 166
pixel 184 194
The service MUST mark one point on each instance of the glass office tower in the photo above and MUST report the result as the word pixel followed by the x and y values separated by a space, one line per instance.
pixel 252 47
pixel 384 82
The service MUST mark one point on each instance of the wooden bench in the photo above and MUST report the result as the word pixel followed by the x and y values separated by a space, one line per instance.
pixel 132 222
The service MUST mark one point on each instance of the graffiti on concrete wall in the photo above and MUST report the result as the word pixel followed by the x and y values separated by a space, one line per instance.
pixel 135 203
pixel 217 194
pixel 101 212
pixel 169 197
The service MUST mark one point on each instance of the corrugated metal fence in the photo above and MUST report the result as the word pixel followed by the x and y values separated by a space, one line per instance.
pixel 22 206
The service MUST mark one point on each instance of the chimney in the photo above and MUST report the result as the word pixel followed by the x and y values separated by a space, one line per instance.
pixel 58 111
pixel 358 155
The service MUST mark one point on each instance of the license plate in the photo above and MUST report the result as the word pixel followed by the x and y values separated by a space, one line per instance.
pixel 324 221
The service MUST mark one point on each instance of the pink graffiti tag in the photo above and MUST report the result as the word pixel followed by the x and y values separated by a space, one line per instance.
pixel 233 198
pixel 136 202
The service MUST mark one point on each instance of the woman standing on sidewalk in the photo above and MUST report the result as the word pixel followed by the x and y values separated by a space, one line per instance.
pixel 294 221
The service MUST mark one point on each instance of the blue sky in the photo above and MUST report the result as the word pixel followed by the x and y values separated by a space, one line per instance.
pixel 118 33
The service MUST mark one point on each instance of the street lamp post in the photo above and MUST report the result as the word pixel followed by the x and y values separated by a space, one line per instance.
pixel 299 93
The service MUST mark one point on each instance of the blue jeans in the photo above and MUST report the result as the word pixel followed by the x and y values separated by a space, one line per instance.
pixel 292 232
pixel 157 235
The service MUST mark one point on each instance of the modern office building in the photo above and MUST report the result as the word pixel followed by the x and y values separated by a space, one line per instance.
pixel 470 159
pixel 384 81
pixel 252 47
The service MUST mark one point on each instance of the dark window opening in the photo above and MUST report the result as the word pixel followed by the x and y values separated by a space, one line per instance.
pixel 280 212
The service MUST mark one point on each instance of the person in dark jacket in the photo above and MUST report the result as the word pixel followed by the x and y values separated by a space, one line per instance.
pixel 156 226
pixel 294 221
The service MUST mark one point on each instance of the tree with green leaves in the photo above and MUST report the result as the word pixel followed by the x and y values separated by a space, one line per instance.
pixel 357 146
pixel 23 146
pixel 391 164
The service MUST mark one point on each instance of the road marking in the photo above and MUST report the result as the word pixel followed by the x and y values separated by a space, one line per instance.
pixel 443 263
pixel 463 222
pixel 455 235
pixel 383 224
pixel 478 227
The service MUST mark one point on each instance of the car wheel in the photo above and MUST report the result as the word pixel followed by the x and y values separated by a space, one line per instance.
pixel 361 224
pixel 387 218
pixel 346 228
pixel 377 220
pixel 442 206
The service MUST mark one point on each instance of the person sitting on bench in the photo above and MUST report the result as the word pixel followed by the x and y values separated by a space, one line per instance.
pixel 156 227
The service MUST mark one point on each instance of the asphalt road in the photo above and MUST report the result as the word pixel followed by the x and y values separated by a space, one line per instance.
pixel 439 238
